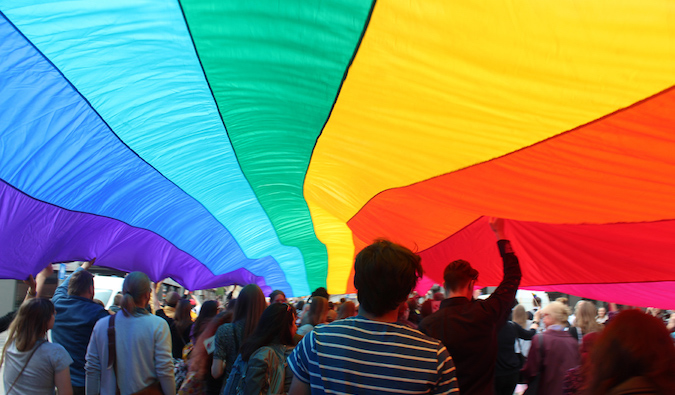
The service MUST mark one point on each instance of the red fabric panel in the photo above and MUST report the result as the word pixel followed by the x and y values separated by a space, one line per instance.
pixel 569 257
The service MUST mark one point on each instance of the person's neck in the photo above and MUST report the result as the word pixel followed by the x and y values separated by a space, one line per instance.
pixel 391 316
pixel 465 293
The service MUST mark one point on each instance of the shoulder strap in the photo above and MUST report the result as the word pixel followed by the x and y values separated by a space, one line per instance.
pixel 112 351
pixel 40 342
pixel 541 352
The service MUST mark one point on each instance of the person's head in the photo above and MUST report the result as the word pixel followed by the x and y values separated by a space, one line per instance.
pixel 602 312
pixel 654 311
pixel 34 318
pixel 277 296
pixel 563 300
pixel 117 300
pixel 459 277
pixel 250 305
pixel 520 315
pixel 318 308
pixel 208 310
pixel 403 311
pixel 136 292
pixel 384 275
pixel 300 305
pixel 633 344
pixel 172 299
pixel 199 358
pixel 346 310
pixel 584 317
pixel 413 304
pixel 588 344
pixel 183 317
pixel 555 313
pixel 321 291
pixel 81 284
pixel 276 326
pixel 536 301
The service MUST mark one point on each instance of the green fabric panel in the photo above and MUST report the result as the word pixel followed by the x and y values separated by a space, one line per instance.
pixel 275 69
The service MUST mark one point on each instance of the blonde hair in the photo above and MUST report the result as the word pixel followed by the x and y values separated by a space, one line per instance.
pixel 520 315
pixel 30 325
pixel 585 313
pixel 135 286
pixel 559 311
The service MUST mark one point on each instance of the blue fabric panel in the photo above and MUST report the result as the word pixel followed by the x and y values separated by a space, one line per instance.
pixel 55 148
pixel 135 62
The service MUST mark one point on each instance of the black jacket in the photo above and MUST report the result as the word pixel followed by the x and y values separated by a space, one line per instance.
pixel 468 328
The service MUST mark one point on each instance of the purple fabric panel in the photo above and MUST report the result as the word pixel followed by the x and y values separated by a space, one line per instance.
pixel 34 233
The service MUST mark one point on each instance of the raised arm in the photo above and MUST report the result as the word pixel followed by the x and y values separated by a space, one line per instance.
pixel 41 279
pixel 62 290
pixel 502 299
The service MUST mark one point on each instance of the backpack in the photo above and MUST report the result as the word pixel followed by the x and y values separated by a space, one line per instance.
pixel 235 381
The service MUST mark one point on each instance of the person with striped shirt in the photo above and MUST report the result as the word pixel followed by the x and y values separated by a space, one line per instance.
pixel 371 353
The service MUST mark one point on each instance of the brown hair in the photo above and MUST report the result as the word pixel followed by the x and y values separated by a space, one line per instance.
pixel 183 318
pixel 30 325
pixel 633 344
pixel 80 282
pixel 172 298
pixel 458 274
pixel 274 327
pixel 346 310
pixel 275 293
pixel 584 317
pixel 318 307
pixel 135 286
pixel 200 360
pixel 519 315
pixel 250 306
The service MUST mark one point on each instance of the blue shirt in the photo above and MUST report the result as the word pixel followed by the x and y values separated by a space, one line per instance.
pixel 75 320
pixel 358 355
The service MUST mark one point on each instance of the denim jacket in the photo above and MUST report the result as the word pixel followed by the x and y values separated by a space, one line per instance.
pixel 75 320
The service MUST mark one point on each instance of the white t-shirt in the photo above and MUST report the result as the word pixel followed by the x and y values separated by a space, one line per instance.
pixel 38 377
pixel 305 329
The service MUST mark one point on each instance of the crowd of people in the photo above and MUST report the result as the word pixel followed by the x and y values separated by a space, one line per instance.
pixel 389 343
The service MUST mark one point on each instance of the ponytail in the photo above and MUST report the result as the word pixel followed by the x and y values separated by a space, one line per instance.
pixel 136 285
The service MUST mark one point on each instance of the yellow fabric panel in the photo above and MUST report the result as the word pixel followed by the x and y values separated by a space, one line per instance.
pixel 438 86
pixel 337 237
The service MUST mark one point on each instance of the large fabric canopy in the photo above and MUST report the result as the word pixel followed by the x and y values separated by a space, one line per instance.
pixel 220 142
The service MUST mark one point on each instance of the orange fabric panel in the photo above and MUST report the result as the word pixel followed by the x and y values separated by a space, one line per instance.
pixel 620 168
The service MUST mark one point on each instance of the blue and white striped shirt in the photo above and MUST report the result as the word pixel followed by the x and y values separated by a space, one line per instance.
pixel 360 356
